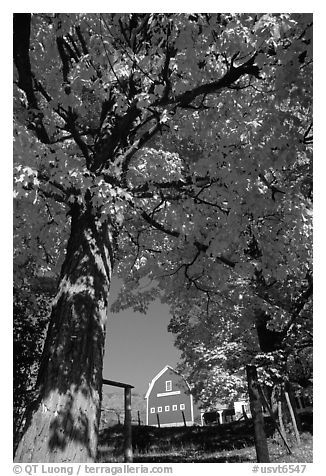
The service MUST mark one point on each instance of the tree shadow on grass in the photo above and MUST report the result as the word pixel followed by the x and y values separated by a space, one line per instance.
pixel 180 444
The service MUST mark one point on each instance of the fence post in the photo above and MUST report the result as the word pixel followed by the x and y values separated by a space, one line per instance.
pixel 257 415
pixel 280 419
pixel 289 390
pixel 294 423
pixel 128 457
pixel 202 418
pixel 270 411
pixel 184 418
pixel 244 412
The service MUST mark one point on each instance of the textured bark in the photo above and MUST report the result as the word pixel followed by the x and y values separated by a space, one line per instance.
pixel 62 424
pixel 257 415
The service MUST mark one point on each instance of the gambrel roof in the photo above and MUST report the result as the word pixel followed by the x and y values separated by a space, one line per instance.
pixel 167 367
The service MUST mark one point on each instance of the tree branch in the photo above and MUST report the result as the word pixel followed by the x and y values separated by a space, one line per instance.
pixel 21 46
pixel 64 59
pixel 200 246
pixel 108 141
pixel 70 120
pixel 159 226
pixel 230 77
pixel 127 156
pixel 270 186
pixel 298 306
pixel 306 138
pixel 82 40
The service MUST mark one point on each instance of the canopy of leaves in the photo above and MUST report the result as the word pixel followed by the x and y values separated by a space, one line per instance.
pixel 192 136
pixel 218 342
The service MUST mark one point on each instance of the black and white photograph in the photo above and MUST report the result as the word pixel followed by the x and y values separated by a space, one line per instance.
pixel 162 240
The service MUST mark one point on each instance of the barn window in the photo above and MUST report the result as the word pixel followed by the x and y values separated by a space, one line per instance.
pixel 168 385
pixel 159 409
pixel 167 408
pixel 153 410
pixel 182 406
pixel 174 408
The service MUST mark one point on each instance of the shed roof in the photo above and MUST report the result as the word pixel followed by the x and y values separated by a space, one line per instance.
pixel 116 384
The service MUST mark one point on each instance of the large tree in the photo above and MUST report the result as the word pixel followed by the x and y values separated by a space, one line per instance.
pixel 127 127
pixel 218 342
pixel 31 311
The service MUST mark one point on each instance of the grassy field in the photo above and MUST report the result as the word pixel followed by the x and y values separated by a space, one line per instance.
pixel 229 443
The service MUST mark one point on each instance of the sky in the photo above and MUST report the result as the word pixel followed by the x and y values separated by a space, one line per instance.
pixel 137 346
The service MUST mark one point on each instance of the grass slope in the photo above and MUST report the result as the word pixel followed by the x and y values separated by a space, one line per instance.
pixel 229 443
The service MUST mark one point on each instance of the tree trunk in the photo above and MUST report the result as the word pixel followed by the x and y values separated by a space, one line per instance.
pixel 62 424
pixel 257 415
